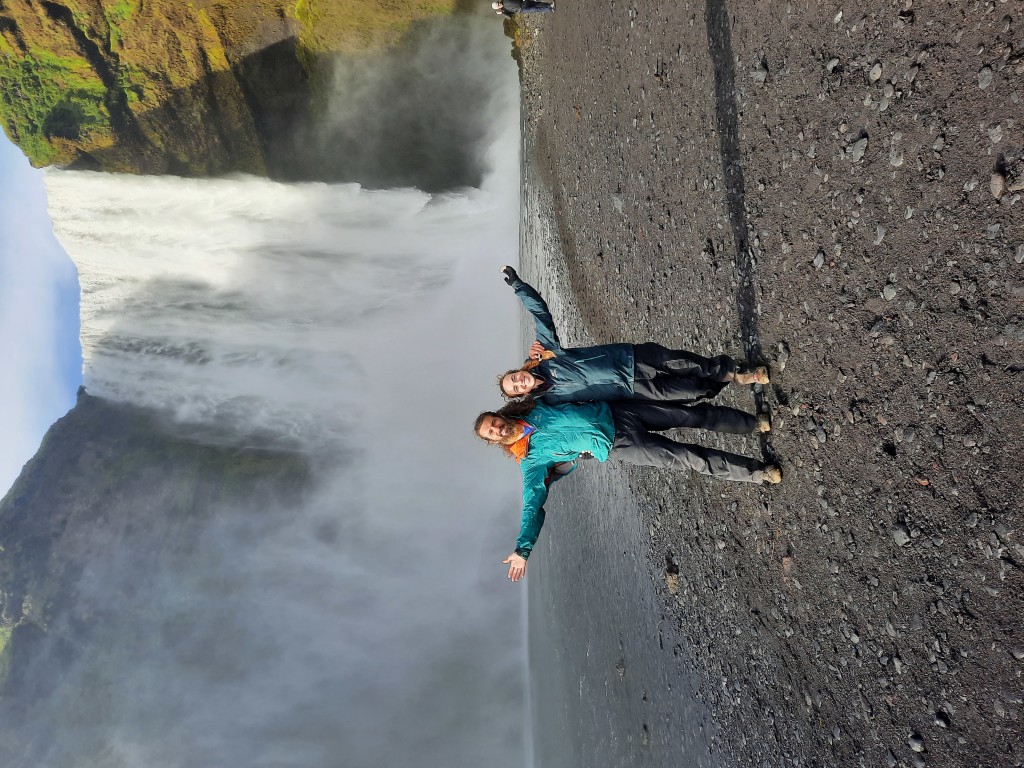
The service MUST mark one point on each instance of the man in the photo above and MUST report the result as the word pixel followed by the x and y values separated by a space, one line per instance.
pixel 541 436
pixel 612 371
pixel 511 7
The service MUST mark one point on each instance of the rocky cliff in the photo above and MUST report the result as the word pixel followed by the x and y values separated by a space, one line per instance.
pixel 191 88
pixel 106 478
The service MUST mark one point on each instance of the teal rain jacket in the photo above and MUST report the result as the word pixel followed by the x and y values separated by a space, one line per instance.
pixel 577 374
pixel 563 432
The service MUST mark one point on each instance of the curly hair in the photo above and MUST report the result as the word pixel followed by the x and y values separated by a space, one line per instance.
pixel 513 410
pixel 529 365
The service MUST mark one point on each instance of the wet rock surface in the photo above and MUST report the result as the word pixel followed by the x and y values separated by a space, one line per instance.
pixel 811 188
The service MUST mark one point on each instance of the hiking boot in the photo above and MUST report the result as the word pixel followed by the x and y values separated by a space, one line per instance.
pixel 756 375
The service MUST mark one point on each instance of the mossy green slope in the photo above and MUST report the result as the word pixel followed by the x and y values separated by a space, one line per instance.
pixel 160 86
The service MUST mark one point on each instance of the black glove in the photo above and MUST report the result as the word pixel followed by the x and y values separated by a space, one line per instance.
pixel 510 275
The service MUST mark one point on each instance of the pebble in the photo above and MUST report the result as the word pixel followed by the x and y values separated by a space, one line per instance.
pixel 917 761
pixel 1017 652
pixel 832 64
pixel 997 185
pixel 915 742
pixel 783 357
pixel 875 73
pixel 972 520
pixel 858 148
pixel 1019 255
pixel 890 760
pixel 889 292
pixel 879 234
pixel 942 719
pixel 819 260
pixel 954 288
pixel 985 78
pixel 901 534
pixel 992 231
pixel 995 133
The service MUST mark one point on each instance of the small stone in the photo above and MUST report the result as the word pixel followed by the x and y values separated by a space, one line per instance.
pixel 954 288
pixel 922 480
pixel 890 760
pixel 875 73
pixel 837 18
pixel 819 260
pixel 992 231
pixel 918 762
pixel 901 534
pixel 760 75
pixel 857 149
pixel 942 719
pixel 889 292
pixel 997 185
pixel 972 520
pixel 995 133
pixel 915 742
pixel 1017 652
pixel 783 358
pixel 879 234
pixel 984 78
pixel 832 64
pixel 1019 255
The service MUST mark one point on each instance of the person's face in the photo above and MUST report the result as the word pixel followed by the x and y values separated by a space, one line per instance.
pixel 518 383
pixel 495 429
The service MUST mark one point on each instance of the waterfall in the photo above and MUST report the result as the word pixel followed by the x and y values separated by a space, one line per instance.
pixel 246 303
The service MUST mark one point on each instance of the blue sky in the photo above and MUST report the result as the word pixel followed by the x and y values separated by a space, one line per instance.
pixel 39 350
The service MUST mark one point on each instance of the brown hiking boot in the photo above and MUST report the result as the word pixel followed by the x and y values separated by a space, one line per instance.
pixel 756 375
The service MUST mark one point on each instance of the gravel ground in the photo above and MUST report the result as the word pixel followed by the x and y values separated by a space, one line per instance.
pixel 836 191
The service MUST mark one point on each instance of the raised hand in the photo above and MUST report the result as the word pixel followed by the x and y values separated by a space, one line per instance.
pixel 516 566
pixel 510 275
pixel 537 350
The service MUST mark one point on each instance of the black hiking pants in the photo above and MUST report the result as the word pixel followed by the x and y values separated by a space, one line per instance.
pixel 636 423
pixel 675 374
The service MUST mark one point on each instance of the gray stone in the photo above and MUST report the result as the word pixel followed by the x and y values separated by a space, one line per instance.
pixel 942 719
pixel 954 288
pixel 1017 652
pixel 819 260
pixel 879 234
pixel 832 64
pixel 992 231
pixel 984 78
pixel 901 534
pixel 972 520
pixel 997 185
pixel 890 760
pixel 915 742
pixel 875 73
pixel 857 149
pixel 995 133
pixel 1019 255
pixel 889 292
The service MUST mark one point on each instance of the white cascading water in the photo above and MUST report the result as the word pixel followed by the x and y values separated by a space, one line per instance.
pixel 241 304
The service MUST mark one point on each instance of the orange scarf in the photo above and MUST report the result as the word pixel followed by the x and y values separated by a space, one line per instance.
pixel 520 447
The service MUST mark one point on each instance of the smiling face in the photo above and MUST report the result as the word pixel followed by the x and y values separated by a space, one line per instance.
pixel 496 429
pixel 518 383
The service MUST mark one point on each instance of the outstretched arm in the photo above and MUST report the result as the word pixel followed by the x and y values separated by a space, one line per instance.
pixel 536 306
pixel 535 493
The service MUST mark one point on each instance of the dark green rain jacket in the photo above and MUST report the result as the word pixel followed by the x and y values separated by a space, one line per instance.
pixel 576 374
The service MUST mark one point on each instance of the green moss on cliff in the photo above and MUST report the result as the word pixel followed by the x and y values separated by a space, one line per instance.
pixel 48 99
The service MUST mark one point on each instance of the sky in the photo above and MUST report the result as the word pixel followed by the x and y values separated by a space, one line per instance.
pixel 41 368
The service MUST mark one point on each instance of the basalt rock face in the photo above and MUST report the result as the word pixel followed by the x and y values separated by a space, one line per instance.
pixel 194 89
pixel 109 481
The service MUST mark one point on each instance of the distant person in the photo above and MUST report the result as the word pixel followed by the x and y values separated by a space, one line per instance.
pixel 511 7
pixel 541 437
pixel 612 371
